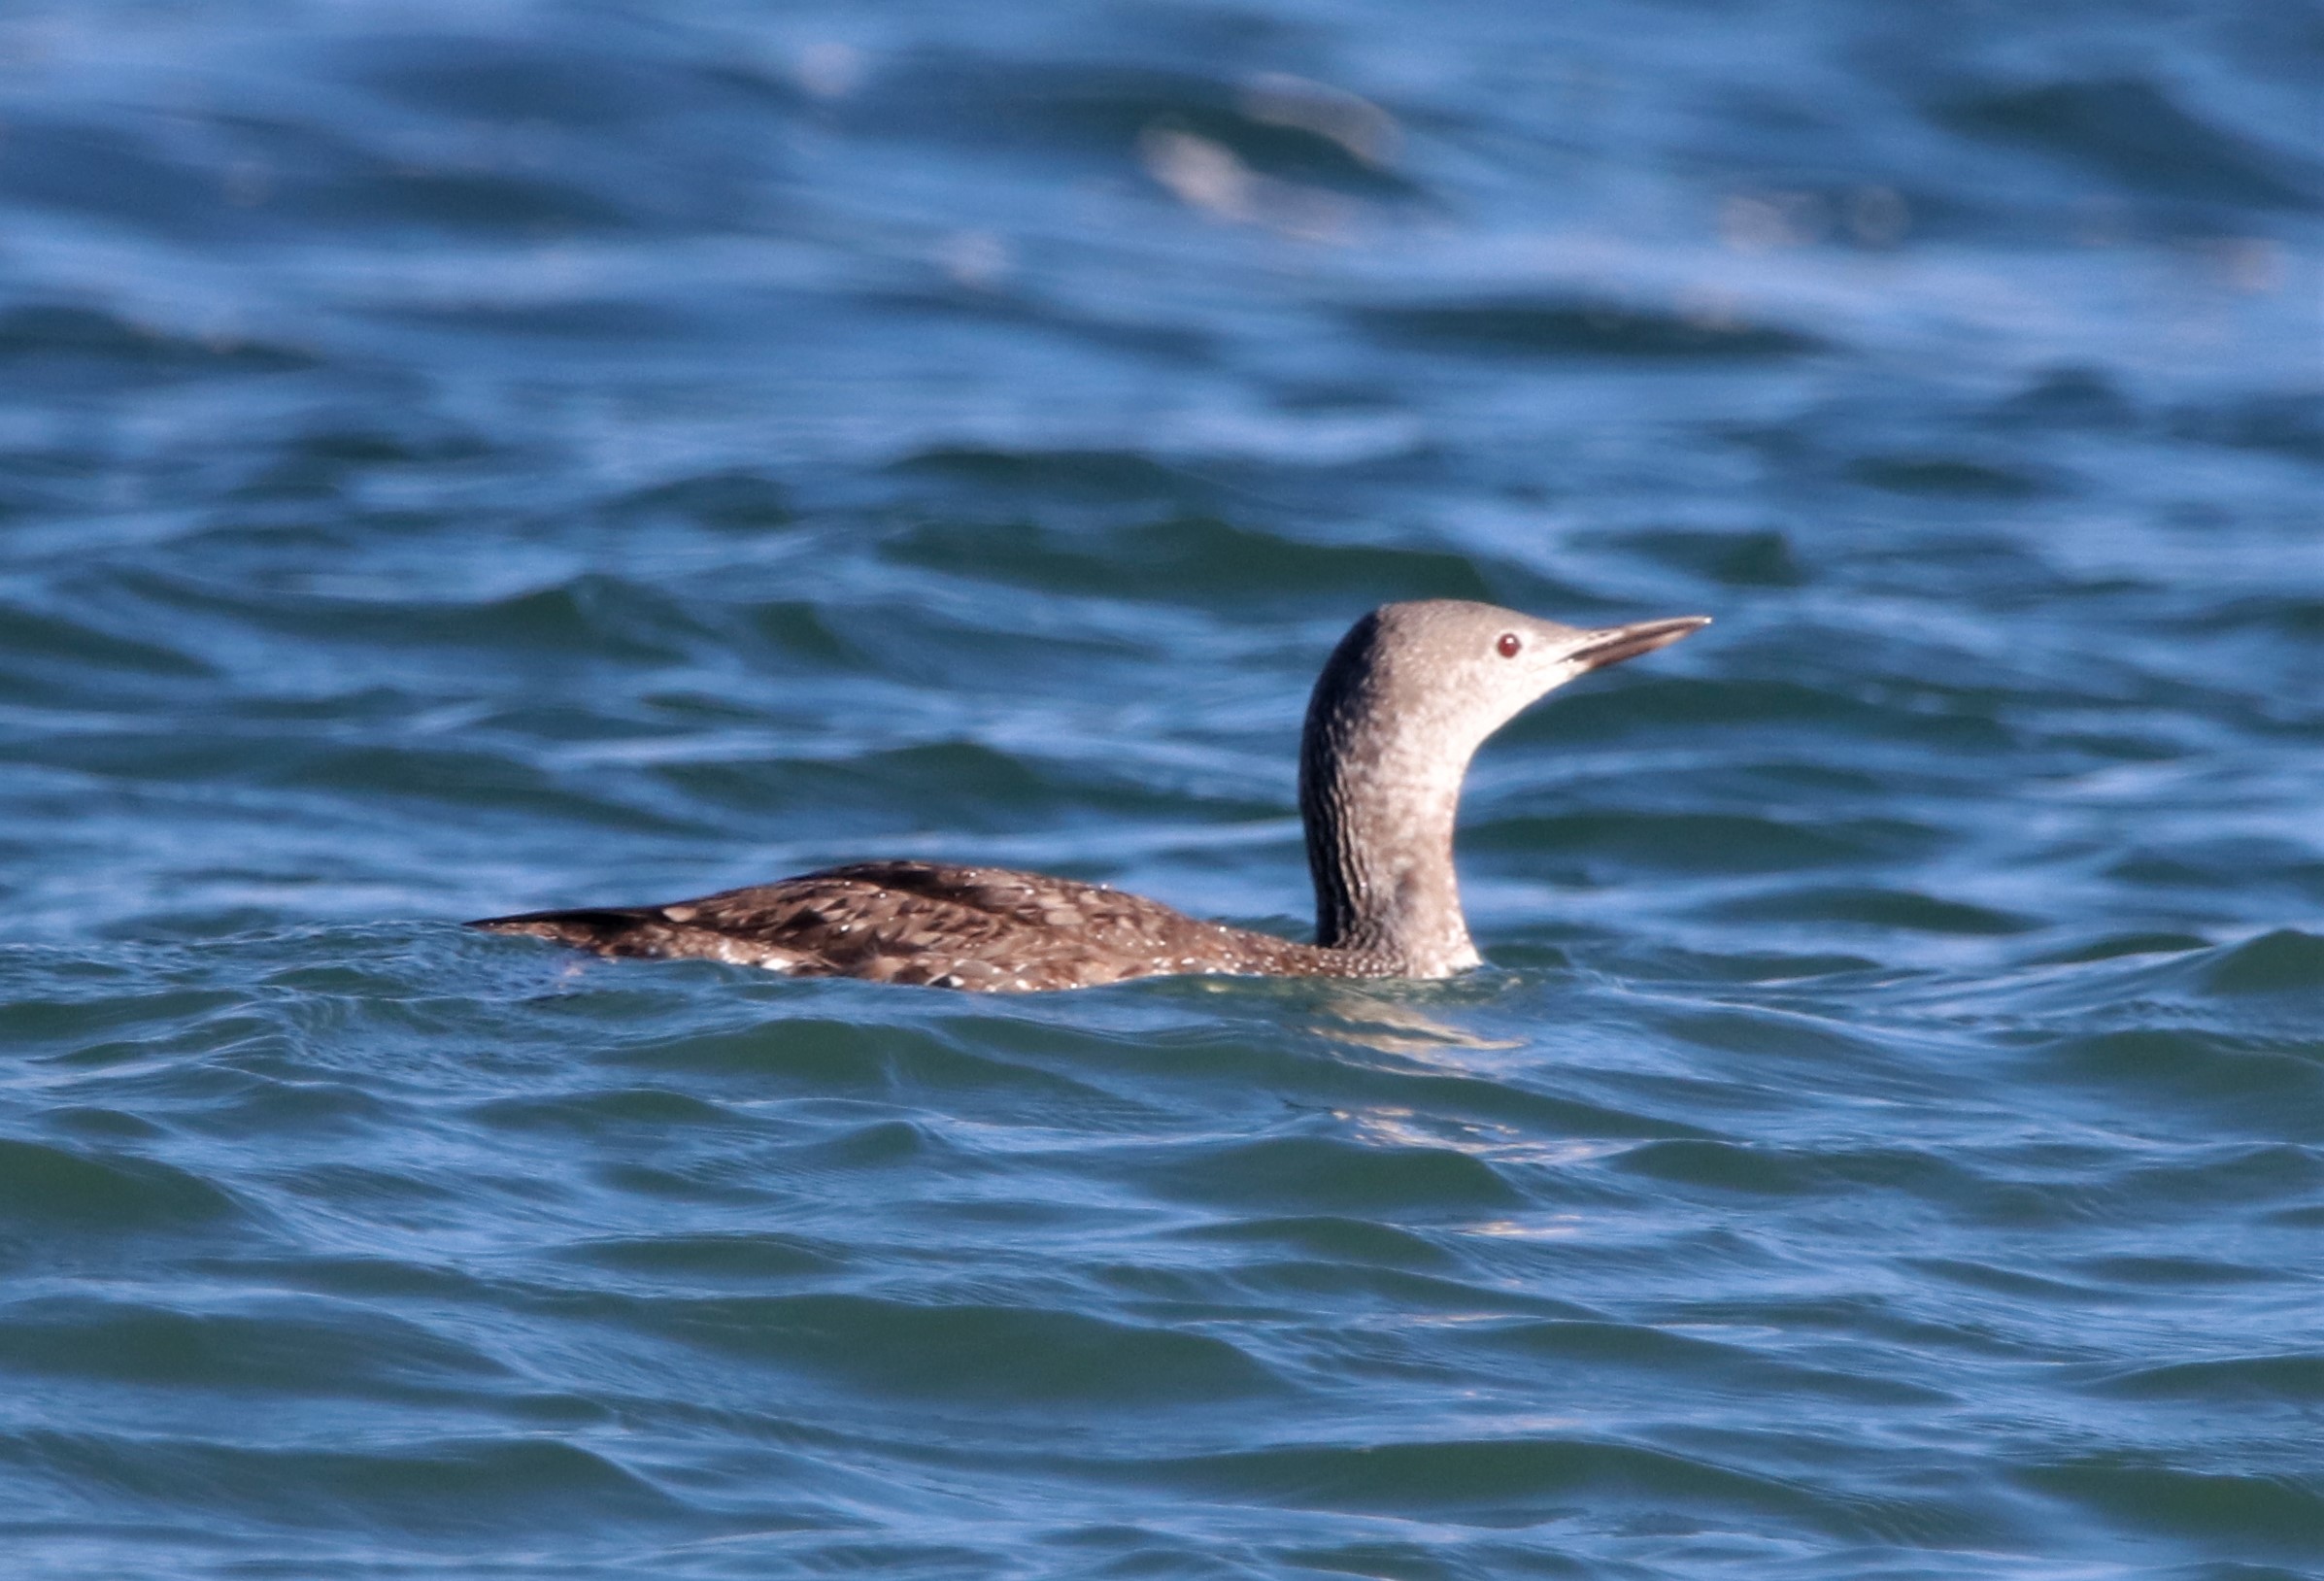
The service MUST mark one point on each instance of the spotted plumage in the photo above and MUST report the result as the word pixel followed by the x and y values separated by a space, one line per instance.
pixel 1407 696
pixel 988 928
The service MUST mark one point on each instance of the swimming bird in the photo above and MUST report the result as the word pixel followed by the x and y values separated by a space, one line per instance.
pixel 1404 702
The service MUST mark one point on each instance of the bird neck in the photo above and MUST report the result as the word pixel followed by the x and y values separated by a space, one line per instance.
pixel 1379 803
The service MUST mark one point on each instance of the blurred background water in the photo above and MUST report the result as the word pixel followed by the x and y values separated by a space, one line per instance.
pixel 458 458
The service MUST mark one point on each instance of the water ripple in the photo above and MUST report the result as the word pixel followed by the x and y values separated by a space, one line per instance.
pixel 564 457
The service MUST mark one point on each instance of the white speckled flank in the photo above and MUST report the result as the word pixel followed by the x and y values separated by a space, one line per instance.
pixel 1404 702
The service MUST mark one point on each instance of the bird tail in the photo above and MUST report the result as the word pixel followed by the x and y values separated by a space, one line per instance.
pixel 609 930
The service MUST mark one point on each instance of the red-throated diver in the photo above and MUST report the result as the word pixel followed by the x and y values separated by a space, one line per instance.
pixel 1406 698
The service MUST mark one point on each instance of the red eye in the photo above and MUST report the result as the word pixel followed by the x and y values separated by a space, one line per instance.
pixel 1509 644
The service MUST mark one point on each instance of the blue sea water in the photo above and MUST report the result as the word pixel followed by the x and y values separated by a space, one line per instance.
pixel 464 458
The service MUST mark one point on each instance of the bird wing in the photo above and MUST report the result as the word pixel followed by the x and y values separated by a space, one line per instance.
pixel 911 921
